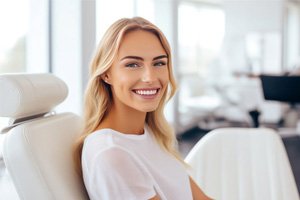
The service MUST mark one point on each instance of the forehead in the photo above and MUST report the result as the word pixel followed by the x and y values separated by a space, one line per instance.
pixel 140 43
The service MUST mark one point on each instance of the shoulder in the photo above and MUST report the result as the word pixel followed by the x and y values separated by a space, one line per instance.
pixel 119 175
pixel 98 140
pixel 99 134
pixel 94 144
pixel 107 146
pixel 101 147
pixel 117 162
pixel 116 158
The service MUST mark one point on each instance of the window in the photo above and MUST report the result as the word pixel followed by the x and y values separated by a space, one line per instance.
pixel 292 37
pixel 107 12
pixel 145 8
pixel 201 28
pixel 200 34
pixel 14 28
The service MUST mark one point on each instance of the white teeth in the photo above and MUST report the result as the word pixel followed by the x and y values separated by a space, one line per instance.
pixel 146 92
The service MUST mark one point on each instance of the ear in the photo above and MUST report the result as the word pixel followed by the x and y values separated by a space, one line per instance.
pixel 106 78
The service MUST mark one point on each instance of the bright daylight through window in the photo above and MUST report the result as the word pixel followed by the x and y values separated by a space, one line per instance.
pixel 14 26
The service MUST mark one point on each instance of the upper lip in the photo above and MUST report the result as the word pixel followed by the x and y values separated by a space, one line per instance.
pixel 153 88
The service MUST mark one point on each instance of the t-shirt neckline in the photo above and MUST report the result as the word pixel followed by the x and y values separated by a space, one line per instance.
pixel 127 135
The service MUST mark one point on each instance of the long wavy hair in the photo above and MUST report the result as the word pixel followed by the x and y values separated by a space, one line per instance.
pixel 98 96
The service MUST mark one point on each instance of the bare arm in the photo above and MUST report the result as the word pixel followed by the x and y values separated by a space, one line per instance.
pixel 198 194
pixel 155 198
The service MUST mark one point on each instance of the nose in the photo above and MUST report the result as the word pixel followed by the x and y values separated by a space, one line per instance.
pixel 149 74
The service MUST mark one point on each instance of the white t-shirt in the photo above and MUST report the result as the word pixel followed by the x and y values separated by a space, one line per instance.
pixel 119 166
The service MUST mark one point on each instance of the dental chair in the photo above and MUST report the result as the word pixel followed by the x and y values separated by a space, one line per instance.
pixel 243 164
pixel 38 144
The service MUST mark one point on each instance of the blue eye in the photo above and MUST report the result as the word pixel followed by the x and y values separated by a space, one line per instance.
pixel 158 64
pixel 132 65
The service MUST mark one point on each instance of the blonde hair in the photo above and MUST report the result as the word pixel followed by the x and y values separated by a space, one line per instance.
pixel 98 94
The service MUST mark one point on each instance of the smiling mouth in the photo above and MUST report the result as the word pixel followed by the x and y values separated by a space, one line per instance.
pixel 146 92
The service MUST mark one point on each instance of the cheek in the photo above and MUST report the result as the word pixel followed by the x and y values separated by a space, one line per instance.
pixel 164 76
pixel 124 82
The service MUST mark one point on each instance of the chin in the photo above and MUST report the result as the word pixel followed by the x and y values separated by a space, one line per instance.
pixel 148 109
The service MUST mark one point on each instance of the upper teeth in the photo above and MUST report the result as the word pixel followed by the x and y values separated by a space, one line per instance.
pixel 146 92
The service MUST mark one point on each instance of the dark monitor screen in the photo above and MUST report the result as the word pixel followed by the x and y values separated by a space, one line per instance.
pixel 281 88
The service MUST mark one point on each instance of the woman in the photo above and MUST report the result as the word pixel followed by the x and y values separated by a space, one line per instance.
pixel 128 149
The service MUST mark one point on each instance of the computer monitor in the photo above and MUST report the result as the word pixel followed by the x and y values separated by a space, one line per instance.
pixel 281 88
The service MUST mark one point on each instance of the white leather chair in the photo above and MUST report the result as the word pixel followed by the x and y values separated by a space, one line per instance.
pixel 38 146
pixel 243 164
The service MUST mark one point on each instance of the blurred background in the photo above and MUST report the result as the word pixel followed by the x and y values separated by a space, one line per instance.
pixel 220 48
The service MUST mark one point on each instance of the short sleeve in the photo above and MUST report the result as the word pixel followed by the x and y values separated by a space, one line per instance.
pixel 116 175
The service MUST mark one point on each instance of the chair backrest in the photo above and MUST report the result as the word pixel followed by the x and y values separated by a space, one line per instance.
pixel 243 164
pixel 38 146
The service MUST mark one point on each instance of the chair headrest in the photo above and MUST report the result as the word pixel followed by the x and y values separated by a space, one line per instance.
pixel 23 95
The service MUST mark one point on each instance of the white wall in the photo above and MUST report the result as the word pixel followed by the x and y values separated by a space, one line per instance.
pixel 261 17
pixel 255 15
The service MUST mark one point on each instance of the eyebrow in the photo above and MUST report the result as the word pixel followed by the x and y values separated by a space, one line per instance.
pixel 140 58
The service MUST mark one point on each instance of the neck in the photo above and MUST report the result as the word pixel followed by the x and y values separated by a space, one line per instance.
pixel 125 120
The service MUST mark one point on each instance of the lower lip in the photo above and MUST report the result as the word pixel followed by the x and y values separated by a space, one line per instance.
pixel 153 96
